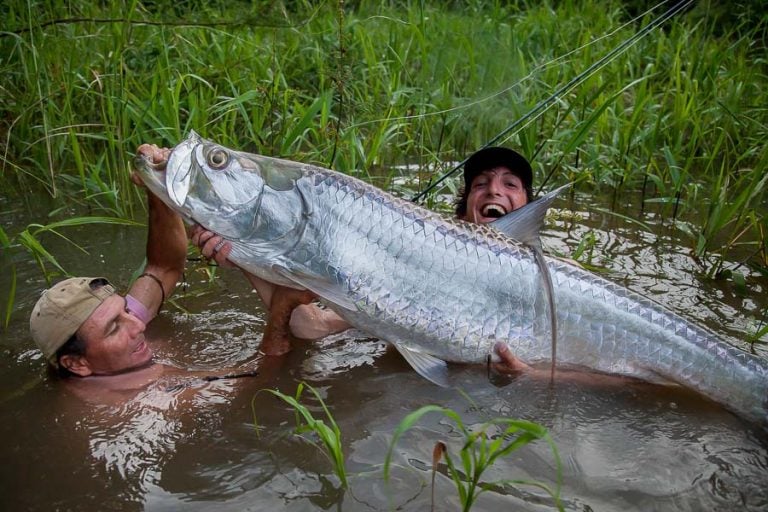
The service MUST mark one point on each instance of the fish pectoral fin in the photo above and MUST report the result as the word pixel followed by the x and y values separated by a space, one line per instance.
pixel 322 287
pixel 428 366
pixel 524 224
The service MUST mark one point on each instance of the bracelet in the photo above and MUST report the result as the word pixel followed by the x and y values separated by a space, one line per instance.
pixel 159 283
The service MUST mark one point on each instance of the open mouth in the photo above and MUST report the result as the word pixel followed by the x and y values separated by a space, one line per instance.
pixel 493 211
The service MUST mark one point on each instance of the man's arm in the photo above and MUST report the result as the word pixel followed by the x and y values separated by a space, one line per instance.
pixel 166 246
pixel 307 321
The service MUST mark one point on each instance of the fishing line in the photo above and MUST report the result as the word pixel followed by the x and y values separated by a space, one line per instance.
pixel 548 102
pixel 561 59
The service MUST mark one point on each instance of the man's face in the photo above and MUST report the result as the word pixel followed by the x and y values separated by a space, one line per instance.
pixel 493 194
pixel 114 339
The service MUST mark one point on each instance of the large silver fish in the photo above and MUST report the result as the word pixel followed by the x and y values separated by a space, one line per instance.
pixel 440 289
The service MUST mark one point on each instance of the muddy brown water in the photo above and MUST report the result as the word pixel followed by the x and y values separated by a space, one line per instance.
pixel 182 443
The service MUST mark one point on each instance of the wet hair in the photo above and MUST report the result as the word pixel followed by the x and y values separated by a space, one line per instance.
pixel 74 346
pixel 461 200
pixel 461 203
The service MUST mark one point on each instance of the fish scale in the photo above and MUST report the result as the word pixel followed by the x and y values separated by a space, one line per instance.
pixel 644 341
pixel 448 260
pixel 438 288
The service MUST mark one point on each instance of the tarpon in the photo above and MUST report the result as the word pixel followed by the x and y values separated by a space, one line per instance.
pixel 436 288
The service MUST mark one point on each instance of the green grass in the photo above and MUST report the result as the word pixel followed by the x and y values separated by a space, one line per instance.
pixel 359 86
pixel 322 433
pixel 480 447
pixel 31 241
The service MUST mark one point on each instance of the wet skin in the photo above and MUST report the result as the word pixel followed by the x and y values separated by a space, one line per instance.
pixel 493 194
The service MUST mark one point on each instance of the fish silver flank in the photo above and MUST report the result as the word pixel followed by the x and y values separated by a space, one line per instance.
pixel 440 289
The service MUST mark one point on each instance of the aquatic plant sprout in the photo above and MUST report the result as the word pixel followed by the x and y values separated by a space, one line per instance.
pixel 328 434
pixel 481 447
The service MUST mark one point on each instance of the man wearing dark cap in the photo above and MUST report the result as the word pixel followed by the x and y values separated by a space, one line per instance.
pixel 497 181
pixel 84 327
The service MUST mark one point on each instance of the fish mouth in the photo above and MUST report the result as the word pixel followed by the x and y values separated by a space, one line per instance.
pixel 149 168
pixel 156 167
pixel 178 176
pixel 493 211
pixel 153 175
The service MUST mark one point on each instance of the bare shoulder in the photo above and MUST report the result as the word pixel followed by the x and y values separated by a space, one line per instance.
pixel 115 389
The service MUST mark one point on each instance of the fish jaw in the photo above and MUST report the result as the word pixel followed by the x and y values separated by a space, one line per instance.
pixel 153 176
pixel 249 199
pixel 178 175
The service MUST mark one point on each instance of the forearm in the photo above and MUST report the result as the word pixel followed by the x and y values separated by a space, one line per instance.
pixel 263 288
pixel 307 321
pixel 166 254
pixel 166 243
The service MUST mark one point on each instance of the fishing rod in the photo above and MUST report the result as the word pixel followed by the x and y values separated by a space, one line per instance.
pixel 543 105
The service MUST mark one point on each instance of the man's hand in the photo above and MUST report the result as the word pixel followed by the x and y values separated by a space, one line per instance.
pixel 166 241
pixel 509 363
pixel 155 154
pixel 212 246
pixel 504 372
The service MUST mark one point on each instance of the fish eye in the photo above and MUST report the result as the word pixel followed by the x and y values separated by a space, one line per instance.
pixel 217 158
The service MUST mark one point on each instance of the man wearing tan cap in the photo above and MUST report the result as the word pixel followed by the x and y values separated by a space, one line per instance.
pixel 84 327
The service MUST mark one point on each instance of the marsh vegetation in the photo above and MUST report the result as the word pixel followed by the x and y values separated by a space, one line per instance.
pixel 364 86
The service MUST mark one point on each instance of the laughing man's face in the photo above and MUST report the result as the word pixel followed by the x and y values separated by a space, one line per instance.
pixel 493 194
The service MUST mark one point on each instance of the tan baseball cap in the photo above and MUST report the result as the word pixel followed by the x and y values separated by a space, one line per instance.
pixel 63 308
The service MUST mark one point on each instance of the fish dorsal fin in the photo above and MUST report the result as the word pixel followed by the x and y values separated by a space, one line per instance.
pixel 323 288
pixel 428 366
pixel 549 291
pixel 524 224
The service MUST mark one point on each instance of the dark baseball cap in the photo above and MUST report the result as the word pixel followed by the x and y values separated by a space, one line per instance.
pixel 497 156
